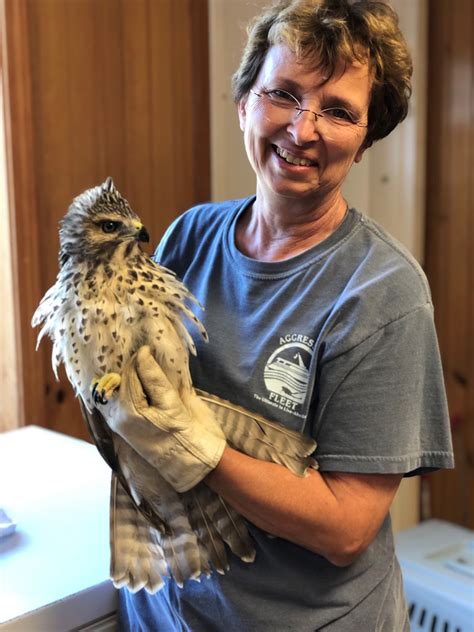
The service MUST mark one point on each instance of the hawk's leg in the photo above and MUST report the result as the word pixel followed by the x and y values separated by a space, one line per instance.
pixel 104 387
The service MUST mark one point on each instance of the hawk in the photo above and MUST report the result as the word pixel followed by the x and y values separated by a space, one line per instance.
pixel 110 298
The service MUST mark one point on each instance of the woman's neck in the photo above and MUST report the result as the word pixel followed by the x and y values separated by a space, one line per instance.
pixel 285 230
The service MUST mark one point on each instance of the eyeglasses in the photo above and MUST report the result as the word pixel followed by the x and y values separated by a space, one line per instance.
pixel 282 103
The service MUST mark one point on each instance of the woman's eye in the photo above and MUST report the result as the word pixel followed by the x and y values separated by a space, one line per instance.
pixel 108 226
pixel 281 96
pixel 341 114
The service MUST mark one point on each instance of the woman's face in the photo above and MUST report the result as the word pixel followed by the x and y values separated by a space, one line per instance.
pixel 327 150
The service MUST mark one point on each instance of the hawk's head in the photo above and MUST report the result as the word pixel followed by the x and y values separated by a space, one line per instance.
pixel 98 221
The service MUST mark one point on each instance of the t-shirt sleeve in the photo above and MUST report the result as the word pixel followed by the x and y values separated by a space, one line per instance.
pixel 381 406
pixel 165 252
pixel 187 236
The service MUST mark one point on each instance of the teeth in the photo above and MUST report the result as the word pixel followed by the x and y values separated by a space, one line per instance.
pixel 302 162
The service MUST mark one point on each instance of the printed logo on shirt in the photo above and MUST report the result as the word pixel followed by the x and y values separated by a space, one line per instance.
pixel 286 374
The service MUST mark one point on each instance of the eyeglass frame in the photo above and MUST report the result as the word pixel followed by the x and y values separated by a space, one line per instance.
pixel 343 123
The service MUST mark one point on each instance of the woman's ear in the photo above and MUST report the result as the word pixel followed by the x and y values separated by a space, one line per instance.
pixel 242 111
pixel 360 152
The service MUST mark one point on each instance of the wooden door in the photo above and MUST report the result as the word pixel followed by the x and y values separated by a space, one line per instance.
pixel 95 88
pixel 450 238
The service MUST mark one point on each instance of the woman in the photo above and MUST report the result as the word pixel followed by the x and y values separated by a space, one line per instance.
pixel 318 319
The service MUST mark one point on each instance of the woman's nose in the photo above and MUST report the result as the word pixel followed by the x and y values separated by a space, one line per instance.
pixel 304 127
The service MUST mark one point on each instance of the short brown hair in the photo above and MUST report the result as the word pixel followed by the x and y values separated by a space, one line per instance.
pixel 330 31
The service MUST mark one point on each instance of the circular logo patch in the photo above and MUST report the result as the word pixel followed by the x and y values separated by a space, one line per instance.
pixel 287 371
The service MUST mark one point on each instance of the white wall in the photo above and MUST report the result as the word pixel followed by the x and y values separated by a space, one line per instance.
pixel 397 163
pixel 231 175
pixel 387 185
pixel 8 368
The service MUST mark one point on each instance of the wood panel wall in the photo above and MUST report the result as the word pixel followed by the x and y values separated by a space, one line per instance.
pixel 96 88
pixel 450 238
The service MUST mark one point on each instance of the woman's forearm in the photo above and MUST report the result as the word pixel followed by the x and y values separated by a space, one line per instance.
pixel 335 515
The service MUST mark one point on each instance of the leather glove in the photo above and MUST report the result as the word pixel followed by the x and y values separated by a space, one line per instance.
pixel 151 417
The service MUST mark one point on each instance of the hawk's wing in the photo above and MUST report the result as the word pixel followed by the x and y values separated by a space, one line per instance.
pixel 154 531
pixel 262 439
pixel 106 442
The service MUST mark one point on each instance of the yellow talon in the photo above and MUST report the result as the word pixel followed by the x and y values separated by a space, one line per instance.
pixel 104 387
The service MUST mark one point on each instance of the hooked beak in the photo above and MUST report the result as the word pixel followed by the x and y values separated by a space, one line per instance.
pixel 142 233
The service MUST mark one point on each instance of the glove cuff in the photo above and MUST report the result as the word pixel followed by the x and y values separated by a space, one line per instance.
pixel 189 464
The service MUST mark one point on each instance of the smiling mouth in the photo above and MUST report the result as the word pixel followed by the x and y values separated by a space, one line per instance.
pixel 293 160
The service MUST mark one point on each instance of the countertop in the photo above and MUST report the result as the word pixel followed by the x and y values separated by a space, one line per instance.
pixel 54 569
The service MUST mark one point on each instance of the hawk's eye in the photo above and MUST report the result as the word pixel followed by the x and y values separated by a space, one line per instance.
pixel 108 226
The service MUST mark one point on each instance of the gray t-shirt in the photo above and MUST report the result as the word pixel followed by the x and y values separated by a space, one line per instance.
pixel 337 342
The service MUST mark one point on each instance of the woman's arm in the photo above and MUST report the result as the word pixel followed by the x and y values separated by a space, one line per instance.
pixel 333 514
